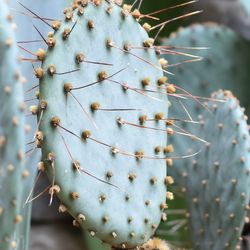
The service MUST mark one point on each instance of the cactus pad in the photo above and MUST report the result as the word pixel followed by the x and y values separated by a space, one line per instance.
pixel 12 141
pixel 217 180
pixel 224 64
pixel 96 93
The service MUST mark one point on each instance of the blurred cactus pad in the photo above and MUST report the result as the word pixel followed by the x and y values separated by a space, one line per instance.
pixel 215 183
pixel 223 63
pixel 218 69
pixel 12 136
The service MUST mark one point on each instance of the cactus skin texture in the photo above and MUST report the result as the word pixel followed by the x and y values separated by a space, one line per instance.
pixel 108 212
pixel 215 183
pixel 12 138
pixel 220 68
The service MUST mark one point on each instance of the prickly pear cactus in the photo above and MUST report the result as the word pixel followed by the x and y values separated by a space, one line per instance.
pixel 224 64
pixel 200 79
pixel 217 180
pixel 25 38
pixel 148 7
pixel 12 141
pixel 96 95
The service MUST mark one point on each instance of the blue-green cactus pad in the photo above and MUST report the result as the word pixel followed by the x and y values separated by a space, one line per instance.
pixel 12 141
pixel 128 214
pixel 215 183
pixel 224 64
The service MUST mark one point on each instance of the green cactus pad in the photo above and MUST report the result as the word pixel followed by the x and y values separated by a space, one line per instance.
pixel 224 64
pixel 219 69
pixel 215 183
pixel 206 76
pixel 99 158
pixel 219 189
pixel 12 141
